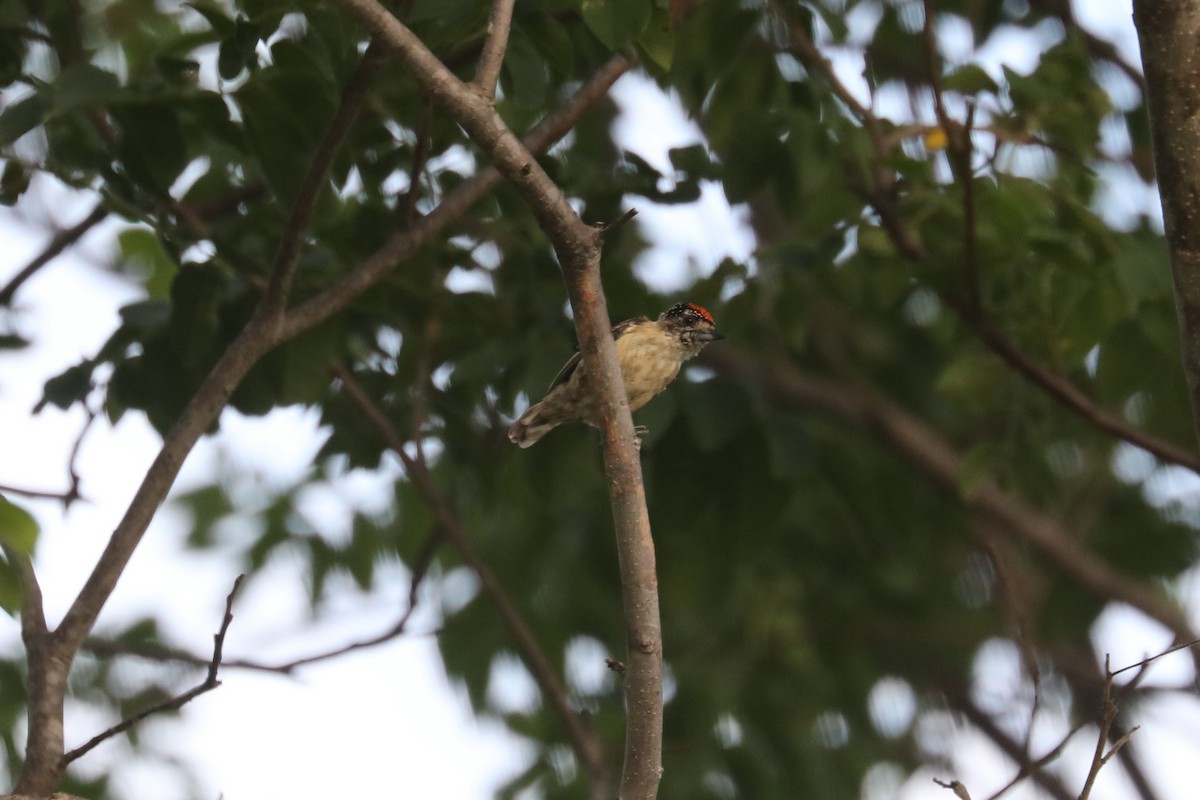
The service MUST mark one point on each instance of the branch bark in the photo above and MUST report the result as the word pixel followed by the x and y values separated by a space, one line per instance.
pixel 1167 32
pixel 578 247
pixel 492 59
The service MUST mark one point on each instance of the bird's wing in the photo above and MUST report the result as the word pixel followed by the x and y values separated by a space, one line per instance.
pixel 574 361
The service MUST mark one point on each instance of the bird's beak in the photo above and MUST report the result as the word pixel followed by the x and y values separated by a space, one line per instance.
pixel 713 335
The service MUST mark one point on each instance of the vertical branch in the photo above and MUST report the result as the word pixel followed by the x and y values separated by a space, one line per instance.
pixel 499 24
pixel 578 248
pixel 1167 32
pixel 47 680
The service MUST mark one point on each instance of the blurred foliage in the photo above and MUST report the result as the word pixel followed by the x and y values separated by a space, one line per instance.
pixel 804 567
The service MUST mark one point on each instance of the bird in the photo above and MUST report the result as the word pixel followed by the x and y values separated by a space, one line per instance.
pixel 650 353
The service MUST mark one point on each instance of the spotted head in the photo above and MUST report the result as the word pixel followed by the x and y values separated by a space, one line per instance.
pixel 692 324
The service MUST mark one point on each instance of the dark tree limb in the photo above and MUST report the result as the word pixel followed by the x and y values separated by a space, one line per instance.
pixel 1167 32
pixel 209 683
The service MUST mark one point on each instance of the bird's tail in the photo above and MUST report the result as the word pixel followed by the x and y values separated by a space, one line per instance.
pixel 531 426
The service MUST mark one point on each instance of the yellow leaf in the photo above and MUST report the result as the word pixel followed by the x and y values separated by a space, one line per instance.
pixel 936 139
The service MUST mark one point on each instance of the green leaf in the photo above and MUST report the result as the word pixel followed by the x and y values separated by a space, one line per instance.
pixel 285 113
pixel 84 86
pixel 616 22
pixel 21 117
pixel 215 15
pixel 238 51
pixel 142 250
pixel 10 587
pixel 18 529
pixel 152 143
pixel 67 388
pixel 657 41
pixel 715 411
pixel 13 182
pixel 969 79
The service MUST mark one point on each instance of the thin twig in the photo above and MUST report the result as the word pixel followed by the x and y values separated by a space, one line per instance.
pixel 583 738
pixel 1029 768
pixel 609 228
pixel 1151 659
pixel 419 160
pixel 57 244
pixel 959 789
pixel 1108 713
pixel 40 494
pixel 492 58
pixel 209 683
pixel 420 569
pixel 1050 784
pixel 73 476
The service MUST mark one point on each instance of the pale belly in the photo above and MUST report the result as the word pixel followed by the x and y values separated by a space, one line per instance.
pixel 645 375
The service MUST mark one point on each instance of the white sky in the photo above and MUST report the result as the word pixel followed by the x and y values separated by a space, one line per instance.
pixel 385 721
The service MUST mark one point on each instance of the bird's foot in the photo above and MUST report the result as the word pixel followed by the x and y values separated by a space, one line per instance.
pixel 638 432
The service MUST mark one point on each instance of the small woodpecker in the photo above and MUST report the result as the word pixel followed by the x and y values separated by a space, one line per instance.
pixel 650 354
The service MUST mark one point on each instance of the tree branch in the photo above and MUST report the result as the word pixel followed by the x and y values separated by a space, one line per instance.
pixel 577 246
pixel 909 246
pixel 60 242
pixel 921 445
pixel 261 333
pixel 1069 396
pixel 492 58
pixel 209 683
pixel 1167 30
pixel 47 681
pixel 583 738
pixel 1028 768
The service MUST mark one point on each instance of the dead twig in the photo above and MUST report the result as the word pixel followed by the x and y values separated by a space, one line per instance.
pixel 209 683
